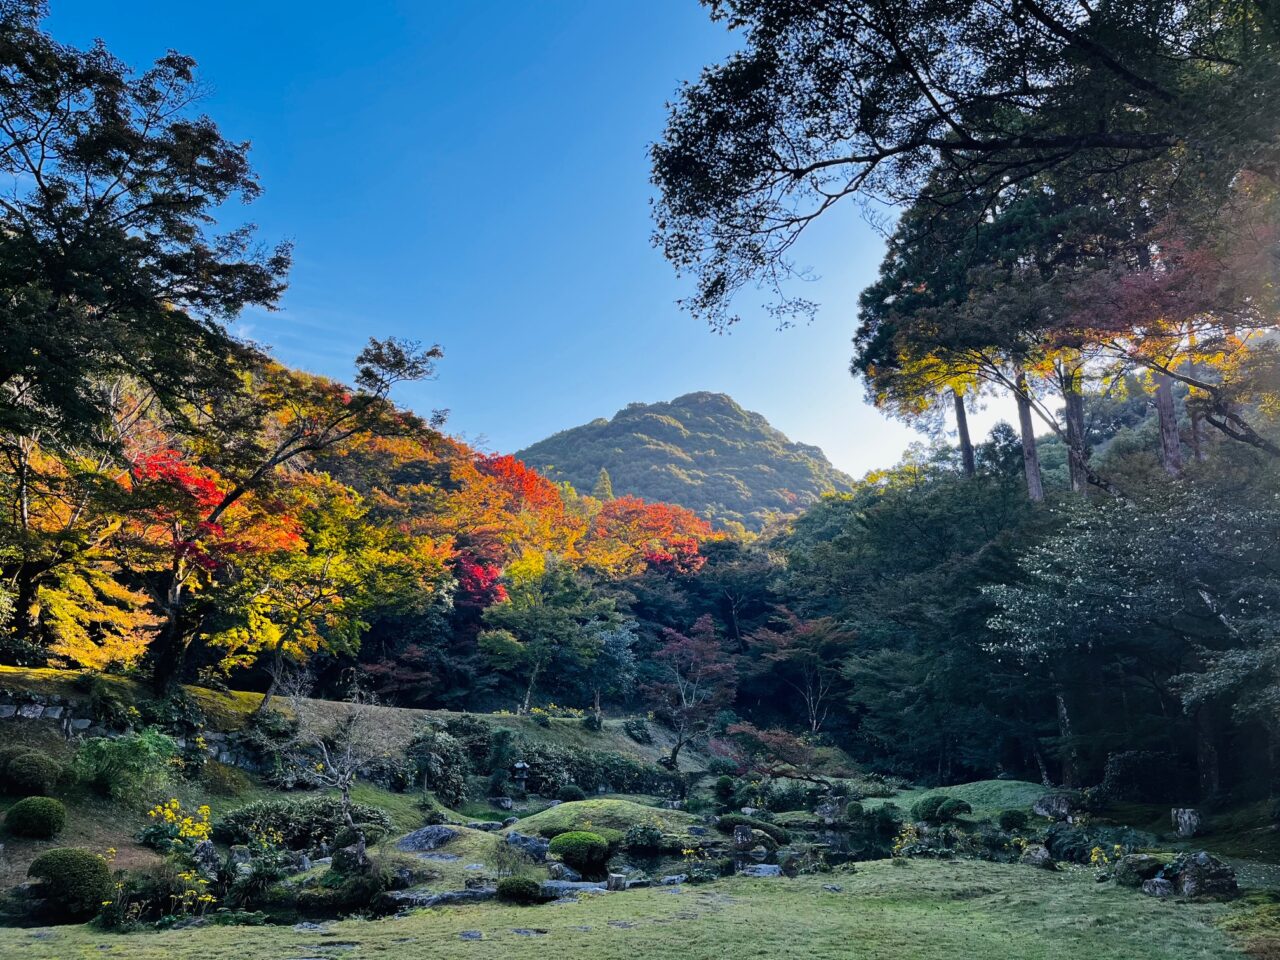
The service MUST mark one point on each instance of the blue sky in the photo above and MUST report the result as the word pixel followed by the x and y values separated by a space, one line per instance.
pixel 474 174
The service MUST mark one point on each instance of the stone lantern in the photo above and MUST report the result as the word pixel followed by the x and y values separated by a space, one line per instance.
pixel 520 775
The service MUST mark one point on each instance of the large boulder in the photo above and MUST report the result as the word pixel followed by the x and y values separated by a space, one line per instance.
pixel 1187 821
pixel 426 839
pixel 1056 806
pixel 1134 869
pixel 535 848
pixel 1202 875
pixel 1038 855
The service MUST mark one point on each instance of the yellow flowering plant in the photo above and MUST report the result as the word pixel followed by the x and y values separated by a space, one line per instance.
pixel 174 829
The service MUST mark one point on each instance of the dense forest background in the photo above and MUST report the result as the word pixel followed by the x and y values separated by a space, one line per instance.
pixel 1086 596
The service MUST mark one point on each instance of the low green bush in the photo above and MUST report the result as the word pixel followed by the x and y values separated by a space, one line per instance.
pixel 73 882
pixel 886 820
pixel 951 809
pixel 40 818
pixel 645 838
pixel 570 792
pixel 728 821
pixel 926 808
pixel 224 780
pixel 303 824
pixel 1013 820
pixel 9 754
pixel 723 789
pixel 581 850
pixel 33 774
pixel 522 890
pixel 135 768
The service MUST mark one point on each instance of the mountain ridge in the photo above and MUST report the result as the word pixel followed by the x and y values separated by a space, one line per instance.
pixel 701 450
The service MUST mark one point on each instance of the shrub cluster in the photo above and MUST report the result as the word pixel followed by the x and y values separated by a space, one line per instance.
pixel 522 890
pixel 439 762
pixel 728 821
pixel 638 730
pixel 31 774
pixel 40 818
pixel 552 766
pixel 132 768
pixel 302 824
pixel 73 882
pixel 939 808
pixel 1013 820
pixel 587 852
pixel 646 838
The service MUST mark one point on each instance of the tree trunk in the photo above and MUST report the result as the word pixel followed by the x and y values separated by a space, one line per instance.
pixel 962 432
pixel 1077 446
pixel 533 680
pixel 1170 445
pixel 1030 455
pixel 1207 759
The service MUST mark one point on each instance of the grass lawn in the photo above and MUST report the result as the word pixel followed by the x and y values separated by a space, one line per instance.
pixel 921 911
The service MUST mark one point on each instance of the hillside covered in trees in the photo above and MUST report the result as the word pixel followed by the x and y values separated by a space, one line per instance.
pixel 701 451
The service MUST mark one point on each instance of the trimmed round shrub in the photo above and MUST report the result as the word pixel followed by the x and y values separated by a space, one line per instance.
pixel 723 789
pixel 73 882
pixel 570 792
pixel 853 811
pixel 522 890
pixel 40 818
pixel 10 753
pixel 581 850
pixel 926 808
pixel 33 774
pixel 952 808
pixel 886 819
pixel 1013 820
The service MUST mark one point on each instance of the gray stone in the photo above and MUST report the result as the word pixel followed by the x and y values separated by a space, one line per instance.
pixel 30 711
pixel 503 803
pixel 673 804
pixel 1203 875
pixel 673 879
pixel 240 854
pixel 1157 887
pixel 533 847
pixel 206 860
pixel 698 831
pixel 425 898
pixel 743 836
pixel 616 881
pixel 829 810
pixel 470 935
pixel 641 884
pixel 1134 869
pixel 1187 821
pixel 562 871
pixel 426 838
pixel 750 811
pixel 53 713
pixel 555 889
pixel 527 932
pixel 488 826
pixel 1038 855
pixel 306 926
pixel 474 866
pixel 1055 806
pixel 833 888
pixel 81 723
pixel 510 822
pixel 7 710
pixel 761 870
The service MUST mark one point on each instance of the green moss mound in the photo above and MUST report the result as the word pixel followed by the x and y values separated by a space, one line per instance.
pixel 40 818
pixel 610 818
pixel 73 882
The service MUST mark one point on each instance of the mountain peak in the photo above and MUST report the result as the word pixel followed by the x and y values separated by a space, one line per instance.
pixel 701 450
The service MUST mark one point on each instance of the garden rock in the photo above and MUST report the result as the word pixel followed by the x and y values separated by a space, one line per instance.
pixel 1202 875
pixel 206 860
pixel 616 881
pixel 1187 821
pixel 828 811
pixel 1134 869
pixel 533 847
pixel 743 836
pixel 761 870
pixel 673 879
pixel 1157 887
pixel 426 838
pixel 562 871
pixel 489 826
pixel 555 889
pixel 504 803
pixel 1038 855
pixel 510 822
pixel 1055 806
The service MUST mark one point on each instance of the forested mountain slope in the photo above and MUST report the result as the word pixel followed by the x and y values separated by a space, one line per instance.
pixel 701 451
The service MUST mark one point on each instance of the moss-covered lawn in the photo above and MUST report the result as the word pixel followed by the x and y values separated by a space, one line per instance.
pixel 921 911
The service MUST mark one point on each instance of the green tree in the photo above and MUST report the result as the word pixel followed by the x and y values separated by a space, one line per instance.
pixel 551 615
pixel 603 490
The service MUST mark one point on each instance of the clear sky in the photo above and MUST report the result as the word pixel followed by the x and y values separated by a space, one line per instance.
pixel 475 174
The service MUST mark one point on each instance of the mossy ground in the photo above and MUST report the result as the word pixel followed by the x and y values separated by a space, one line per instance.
pixel 609 817
pixel 921 911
